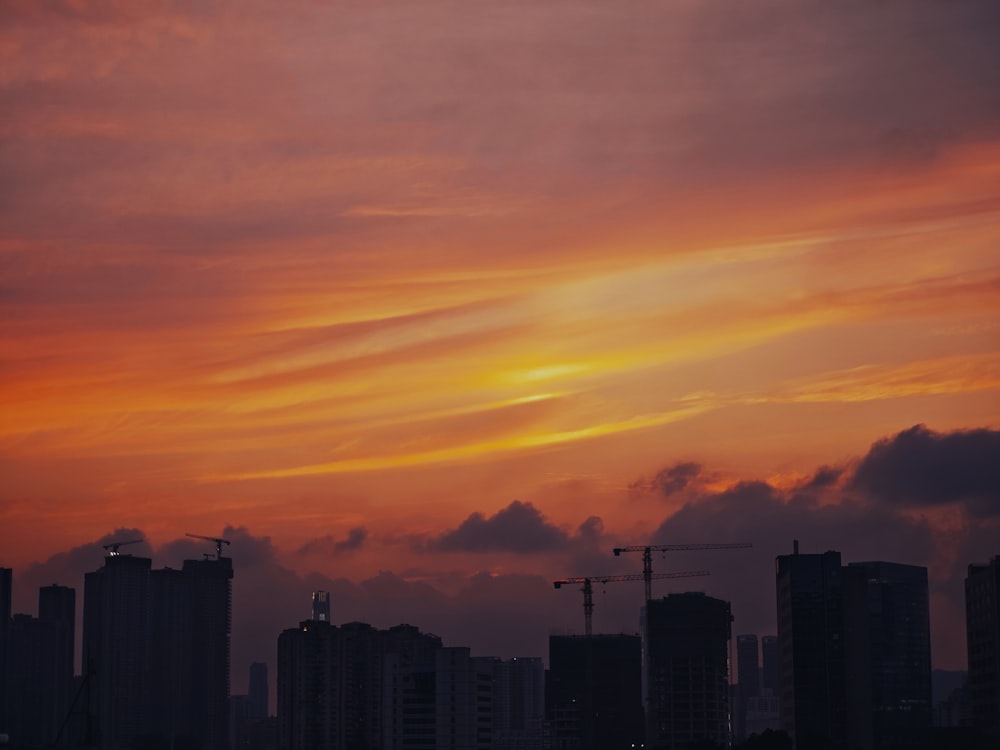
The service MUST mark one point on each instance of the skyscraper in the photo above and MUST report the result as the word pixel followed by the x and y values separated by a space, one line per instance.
pixel 855 653
pixel 770 676
pixel 6 593
pixel 686 643
pixel 32 681
pixel 518 703
pixel 157 642
pixel 116 647
pixel 57 606
pixel 356 686
pixel 594 691
pixel 258 691
pixel 748 680
pixel 810 638
pixel 887 655
pixel 982 623
pixel 210 588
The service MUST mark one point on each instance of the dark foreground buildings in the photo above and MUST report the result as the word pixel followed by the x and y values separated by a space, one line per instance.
pixel 355 686
pixel 156 653
pixel 594 692
pixel 982 622
pixel 38 667
pixel 686 642
pixel 855 653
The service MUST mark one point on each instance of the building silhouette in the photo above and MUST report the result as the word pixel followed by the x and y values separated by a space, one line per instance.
pixel 258 691
pixel 6 594
pixel 210 591
pixel 686 643
pixel 770 674
pixel 249 724
pixel 982 623
pixel 156 647
pixel 354 686
pixel 593 692
pixel 518 703
pixel 887 655
pixel 810 640
pixel 747 682
pixel 117 648
pixel 37 665
pixel 855 653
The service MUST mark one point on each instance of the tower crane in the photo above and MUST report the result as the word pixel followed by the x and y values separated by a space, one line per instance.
pixel 647 556
pixel 112 548
pixel 588 588
pixel 218 542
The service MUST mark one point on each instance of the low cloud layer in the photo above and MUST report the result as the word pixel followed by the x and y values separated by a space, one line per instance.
pixel 922 468
pixel 330 545
pixel 520 527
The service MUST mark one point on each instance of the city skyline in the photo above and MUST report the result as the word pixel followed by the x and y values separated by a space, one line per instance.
pixel 863 624
pixel 486 611
pixel 430 303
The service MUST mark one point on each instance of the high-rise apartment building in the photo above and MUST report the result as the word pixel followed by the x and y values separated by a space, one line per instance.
pixel 464 701
pixel 57 606
pixel 209 588
pixel 258 691
pixel 770 656
pixel 887 655
pixel 811 644
pixel 686 647
pixel 156 644
pixel 356 686
pixel 117 648
pixel 6 594
pixel 36 672
pixel 855 653
pixel 982 623
pixel 594 691
pixel 518 703
pixel 747 681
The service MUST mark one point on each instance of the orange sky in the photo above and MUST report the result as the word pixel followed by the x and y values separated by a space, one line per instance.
pixel 311 267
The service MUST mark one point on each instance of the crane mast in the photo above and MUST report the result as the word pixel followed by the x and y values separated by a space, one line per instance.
pixel 647 556
pixel 588 588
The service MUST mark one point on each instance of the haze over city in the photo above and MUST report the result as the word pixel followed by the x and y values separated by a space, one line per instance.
pixel 430 303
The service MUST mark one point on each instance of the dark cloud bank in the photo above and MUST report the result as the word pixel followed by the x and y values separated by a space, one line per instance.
pixel 876 509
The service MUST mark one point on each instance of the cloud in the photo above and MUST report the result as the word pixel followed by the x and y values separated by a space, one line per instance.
pixel 825 476
pixel 329 545
pixel 862 514
pixel 355 540
pixel 519 527
pixel 672 480
pixel 920 468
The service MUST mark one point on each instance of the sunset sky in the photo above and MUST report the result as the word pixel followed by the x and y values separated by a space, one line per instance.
pixel 430 302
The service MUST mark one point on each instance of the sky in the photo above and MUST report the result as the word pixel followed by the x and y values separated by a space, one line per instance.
pixel 429 303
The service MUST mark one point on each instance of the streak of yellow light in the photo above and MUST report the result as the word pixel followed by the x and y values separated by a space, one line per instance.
pixel 463 453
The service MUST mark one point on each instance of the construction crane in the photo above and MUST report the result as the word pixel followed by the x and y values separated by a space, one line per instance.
pixel 588 588
pixel 647 556
pixel 218 543
pixel 112 548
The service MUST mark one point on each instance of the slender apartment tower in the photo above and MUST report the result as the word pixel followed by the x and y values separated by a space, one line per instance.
pixel 982 623
pixel 686 647
pixel 811 644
